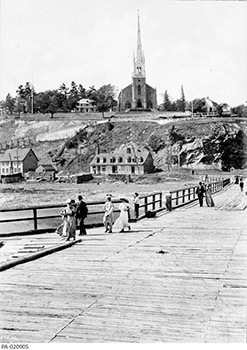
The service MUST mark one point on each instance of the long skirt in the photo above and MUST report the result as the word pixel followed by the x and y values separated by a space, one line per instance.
pixel 209 199
pixel 122 221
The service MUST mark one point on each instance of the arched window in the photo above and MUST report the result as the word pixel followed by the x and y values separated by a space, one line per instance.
pixel 113 159
pixel 120 160
pixel 128 150
pixel 98 160
pixel 139 90
pixel 141 160
pixel 104 160
pixel 129 159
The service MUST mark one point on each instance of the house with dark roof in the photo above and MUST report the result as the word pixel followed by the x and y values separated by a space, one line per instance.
pixel 18 161
pixel 128 159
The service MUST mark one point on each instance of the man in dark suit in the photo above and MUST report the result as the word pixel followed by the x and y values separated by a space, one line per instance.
pixel 200 193
pixel 81 214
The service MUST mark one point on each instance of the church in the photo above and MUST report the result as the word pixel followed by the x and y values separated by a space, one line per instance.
pixel 138 96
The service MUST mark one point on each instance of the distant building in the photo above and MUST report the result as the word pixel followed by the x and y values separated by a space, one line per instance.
pixel 210 106
pixel 86 105
pixel 18 161
pixel 128 159
pixel 45 169
pixel 138 96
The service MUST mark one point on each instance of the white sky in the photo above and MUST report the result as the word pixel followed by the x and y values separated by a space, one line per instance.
pixel 201 45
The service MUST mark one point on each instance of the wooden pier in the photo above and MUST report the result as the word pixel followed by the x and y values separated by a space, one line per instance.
pixel 179 277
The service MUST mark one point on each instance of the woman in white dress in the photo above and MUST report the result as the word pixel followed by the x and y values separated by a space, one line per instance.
pixel 122 221
pixel 208 196
pixel 69 221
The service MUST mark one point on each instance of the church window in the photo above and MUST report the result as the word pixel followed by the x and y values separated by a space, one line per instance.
pixel 104 160
pixel 139 89
pixel 98 160
pixel 127 105
pixel 129 159
pixel 120 160
pixel 113 159
pixel 128 150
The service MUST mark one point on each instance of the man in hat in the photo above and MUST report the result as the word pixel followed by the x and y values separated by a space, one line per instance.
pixel 136 202
pixel 200 193
pixel 81 214
pixel 108 216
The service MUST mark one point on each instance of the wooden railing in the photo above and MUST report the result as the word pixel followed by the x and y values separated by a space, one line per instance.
pixel 39 213
pixel 187 195
pixel 153 202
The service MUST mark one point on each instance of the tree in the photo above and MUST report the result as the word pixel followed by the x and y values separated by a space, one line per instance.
pixel 105 98
pixel 49 101
pixel 167 104
pixel 240 110
pixel 181 102
pixel 73 97
pixel 81 92
pixel 9 104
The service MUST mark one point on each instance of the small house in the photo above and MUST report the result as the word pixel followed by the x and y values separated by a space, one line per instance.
pixel 18 161
pixel 128 159
pixel 45 169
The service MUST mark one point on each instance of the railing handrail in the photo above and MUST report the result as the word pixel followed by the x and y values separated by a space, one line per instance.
pixel 186 192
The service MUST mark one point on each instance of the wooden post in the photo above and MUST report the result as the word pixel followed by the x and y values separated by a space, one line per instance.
pixel 146 204
pixel 183 199
pixel 189 194
pixel 35 222
pixel 177 197
pixel 160 199
pixel 153 201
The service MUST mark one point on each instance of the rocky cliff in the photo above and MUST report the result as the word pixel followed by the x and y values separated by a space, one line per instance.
pixel 201 145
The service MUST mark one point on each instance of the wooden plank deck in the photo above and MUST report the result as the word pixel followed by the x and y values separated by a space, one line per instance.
pixel 180 277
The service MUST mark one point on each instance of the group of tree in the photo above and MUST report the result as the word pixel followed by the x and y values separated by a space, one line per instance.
pixel 198 105
pixel 64 99
pixel 172 106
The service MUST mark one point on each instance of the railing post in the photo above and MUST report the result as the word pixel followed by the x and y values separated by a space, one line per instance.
pixel 189 194
pixel 183 199
pixel 160 199
pixel 177 197
pixel 146 204
pixel 153 201
pixel 35 222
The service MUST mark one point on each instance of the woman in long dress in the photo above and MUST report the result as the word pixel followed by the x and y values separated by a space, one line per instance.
pixel 123 220
pixel 69 221
pixel 208 196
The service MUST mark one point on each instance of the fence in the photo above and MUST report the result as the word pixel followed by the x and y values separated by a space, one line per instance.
pixel 50 214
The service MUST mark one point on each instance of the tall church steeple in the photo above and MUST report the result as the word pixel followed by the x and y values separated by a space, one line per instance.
pixel 139 61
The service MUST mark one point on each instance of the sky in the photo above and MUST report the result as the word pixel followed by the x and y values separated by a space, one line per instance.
pixel 201 45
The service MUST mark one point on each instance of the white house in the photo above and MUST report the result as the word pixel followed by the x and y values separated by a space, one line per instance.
pixel 85 105
pixel 128 159
pixel 18 161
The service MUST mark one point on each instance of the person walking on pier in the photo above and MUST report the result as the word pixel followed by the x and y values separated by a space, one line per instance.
pixel 200 193
pixel 208 196
pixel 122 221
pixel 136 202
pixel 69 220
pixel 108 216
pixel 81 214
pixel 241 185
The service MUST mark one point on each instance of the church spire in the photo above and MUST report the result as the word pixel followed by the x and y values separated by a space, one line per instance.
pixel 139 63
